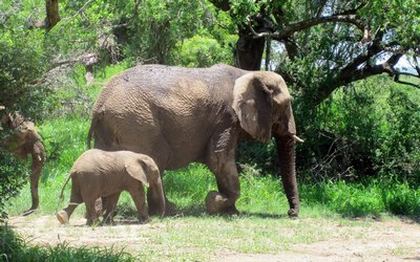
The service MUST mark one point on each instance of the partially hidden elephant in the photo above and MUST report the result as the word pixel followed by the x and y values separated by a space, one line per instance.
pixel 100 174
pixel 181 115
pixel 24 140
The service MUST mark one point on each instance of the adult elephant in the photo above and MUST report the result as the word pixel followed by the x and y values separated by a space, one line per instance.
pixel 24 140
pixel 181 115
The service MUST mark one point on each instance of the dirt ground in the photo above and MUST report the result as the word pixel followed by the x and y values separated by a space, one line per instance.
pixel 390 240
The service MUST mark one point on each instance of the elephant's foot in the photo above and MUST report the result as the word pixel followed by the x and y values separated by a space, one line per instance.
pixel 29 211
pixel 170 209
pixel 217 203
pixel 293 213
pixel 107 222
pixel 144 219
pixel 62 217
pixel 93 222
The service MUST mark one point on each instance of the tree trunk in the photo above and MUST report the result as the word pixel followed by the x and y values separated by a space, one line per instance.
pixel 53 16
pixel 249 51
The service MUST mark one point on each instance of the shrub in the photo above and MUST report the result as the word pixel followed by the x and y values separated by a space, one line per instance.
pixel 363 130
pixel 13 175
pixel 202 51
pixel 20 64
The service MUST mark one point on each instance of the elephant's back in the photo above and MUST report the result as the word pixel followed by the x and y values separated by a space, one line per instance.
pixel 166 112
pixel 96 161
pixel 162 80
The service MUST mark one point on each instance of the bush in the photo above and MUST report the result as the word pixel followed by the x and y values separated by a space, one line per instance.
pixel 22 61
pixel 13 175
pixel 202 51
pixel 367 129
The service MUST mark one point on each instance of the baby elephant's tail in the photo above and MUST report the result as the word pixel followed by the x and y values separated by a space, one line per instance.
pixel 62 189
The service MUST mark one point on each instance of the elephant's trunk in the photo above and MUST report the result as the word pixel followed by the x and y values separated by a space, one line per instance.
pixel 286 154
pixel 38 158
pixel 156 197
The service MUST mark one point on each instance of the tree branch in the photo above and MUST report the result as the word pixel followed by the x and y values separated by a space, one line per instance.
pixel 397 79
pixel 350 18
pixel 353 73
pixel 290 29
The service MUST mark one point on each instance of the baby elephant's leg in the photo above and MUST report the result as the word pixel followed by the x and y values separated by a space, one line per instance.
pixel 92 215
pixel 63 216
pixel 138 195
pixel 109 204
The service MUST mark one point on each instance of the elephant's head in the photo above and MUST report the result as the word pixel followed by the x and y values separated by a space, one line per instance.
pixel 20 133
pixel 263 105
pixel 145 170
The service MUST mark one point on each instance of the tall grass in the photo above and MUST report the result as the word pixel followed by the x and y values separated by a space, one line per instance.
pixel 370 198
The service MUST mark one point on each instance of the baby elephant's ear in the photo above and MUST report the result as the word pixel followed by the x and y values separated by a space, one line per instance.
pixel 135 170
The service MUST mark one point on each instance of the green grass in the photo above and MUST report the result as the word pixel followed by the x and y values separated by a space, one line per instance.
pixel 261 195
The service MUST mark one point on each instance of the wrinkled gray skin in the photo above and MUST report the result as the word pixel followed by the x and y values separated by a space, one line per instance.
pixel 22 141
pixel 182 115
pixel 100 174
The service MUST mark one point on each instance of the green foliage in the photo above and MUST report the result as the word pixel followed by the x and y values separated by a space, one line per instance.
pixel 262 156
pixel 14 248
pixel 202 51
pixel 152 35
pixel 65 140
pixel 13 175
pixel 401 17
pixel 375 124
pixel 22 60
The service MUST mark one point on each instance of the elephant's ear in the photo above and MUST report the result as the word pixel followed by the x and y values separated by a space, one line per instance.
pixel 253 104
pixel 136 170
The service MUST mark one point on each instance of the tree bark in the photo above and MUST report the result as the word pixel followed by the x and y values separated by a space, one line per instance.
pixel 249 51
pixel 53 16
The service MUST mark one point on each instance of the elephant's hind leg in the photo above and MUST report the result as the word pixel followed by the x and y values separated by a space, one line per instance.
pixel 109 204
pixel 63 216
pixel 92 215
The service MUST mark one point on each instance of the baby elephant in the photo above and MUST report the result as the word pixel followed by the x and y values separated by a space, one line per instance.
pixel 101 174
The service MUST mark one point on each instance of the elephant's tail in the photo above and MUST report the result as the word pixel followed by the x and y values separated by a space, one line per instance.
pixel 90 133
pixel 62 189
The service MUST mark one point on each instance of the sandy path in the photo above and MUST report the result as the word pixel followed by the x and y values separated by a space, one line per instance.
pixel 391 240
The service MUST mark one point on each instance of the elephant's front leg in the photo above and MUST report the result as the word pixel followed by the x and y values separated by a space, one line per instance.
pixel 138 196
pixel 229 189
